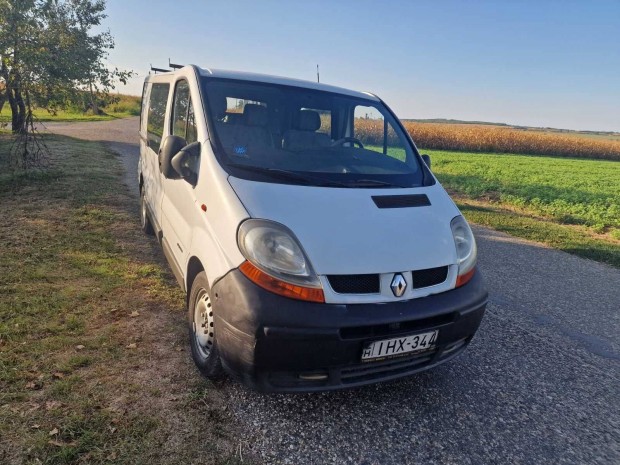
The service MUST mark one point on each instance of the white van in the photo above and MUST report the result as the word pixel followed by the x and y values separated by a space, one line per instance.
pixel 316 248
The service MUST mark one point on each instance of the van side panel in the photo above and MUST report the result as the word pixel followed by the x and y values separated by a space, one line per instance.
pixel 180 214
pixel 152 132
pixel 187 230
pixel 147 162
pixel 142 131
pixel 214 240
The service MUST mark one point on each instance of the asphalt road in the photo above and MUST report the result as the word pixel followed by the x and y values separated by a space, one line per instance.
pixel 540 383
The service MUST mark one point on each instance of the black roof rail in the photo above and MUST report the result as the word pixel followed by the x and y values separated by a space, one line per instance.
pixel 174 66
pixel 159 70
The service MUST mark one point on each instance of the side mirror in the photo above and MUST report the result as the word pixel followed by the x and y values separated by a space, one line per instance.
pixel 427 160
pixel 169 148
pixel 185 164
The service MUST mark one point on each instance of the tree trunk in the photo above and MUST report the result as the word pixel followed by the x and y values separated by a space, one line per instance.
pixel 14 93
pixel 18 111
pixel 93 100
pixel 5 91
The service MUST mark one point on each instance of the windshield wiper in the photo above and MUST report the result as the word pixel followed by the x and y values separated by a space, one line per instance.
pixel 371 183
pixel 291 175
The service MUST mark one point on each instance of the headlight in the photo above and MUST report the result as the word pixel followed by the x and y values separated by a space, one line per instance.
pixel 466 249
pixel 273 248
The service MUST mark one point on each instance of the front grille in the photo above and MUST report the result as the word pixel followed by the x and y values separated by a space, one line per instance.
pixel 429 277
pixel 355 283
pixel 371 283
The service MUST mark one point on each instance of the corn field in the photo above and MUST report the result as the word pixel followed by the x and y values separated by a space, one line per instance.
pixel 494 139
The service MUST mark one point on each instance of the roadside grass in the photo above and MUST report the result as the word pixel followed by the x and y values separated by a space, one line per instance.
pixel 66 116
pixel 93 365
pixel 127 105
pixel 570 204
pixel 572 239
pixel 568 191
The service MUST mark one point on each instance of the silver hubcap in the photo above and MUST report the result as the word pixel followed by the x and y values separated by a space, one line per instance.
pixel 203 323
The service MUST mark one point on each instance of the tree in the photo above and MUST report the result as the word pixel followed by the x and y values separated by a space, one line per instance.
pixel 51 58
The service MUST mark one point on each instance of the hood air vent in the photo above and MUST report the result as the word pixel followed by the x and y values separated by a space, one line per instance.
pixel 401 201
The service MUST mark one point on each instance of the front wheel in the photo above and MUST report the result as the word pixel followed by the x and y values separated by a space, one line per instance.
pixel 203 339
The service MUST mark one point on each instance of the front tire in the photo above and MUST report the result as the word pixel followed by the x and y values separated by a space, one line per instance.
pixel 201 326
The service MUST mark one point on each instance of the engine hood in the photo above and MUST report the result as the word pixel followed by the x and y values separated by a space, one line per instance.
pixel 343 231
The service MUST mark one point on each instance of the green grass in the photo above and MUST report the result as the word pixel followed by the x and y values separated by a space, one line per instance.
pixel 570 204
pixel 47 303
pixel 394 152
pixel 574 240
pixel 568 191
pixel 128 105
pixel 66 116
pixel 73 266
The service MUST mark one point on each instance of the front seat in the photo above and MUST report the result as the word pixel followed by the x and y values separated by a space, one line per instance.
pixel 255 132
pixel 245 133
pixel 304 135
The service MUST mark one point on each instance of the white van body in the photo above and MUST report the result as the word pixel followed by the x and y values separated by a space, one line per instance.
pixel 259 325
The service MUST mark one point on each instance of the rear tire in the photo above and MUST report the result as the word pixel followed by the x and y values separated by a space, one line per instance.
pixel 202 330
pixel 145 222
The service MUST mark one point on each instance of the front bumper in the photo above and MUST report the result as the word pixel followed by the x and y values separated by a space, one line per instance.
pixel 273 343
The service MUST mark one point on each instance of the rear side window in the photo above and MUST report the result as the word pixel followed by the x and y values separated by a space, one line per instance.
pixel 183 121
pixel 157 113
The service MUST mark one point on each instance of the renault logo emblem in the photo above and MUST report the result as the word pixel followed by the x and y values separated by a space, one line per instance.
pixel 399 285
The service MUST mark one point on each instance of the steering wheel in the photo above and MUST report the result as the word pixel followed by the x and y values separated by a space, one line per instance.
pixel 344 140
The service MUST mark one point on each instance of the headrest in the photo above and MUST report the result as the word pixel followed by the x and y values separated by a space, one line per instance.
pixel 308 120
pixel 255 115
pixel 218 106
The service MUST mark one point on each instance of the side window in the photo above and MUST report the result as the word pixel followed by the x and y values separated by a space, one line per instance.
pixel 192 134
pixel 376 134
pixel 183 121
pixel 157 114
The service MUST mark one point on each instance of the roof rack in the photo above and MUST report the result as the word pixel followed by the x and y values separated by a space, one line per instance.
pixel 159 70
pixel 164 70
pixel 174 66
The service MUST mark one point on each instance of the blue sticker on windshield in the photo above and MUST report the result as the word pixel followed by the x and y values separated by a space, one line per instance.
pixel 240 150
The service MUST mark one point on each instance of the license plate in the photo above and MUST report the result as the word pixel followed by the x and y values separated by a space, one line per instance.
pixel 399 346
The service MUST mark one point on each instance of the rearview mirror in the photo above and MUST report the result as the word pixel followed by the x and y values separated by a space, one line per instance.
pixel 427 160
pixel 169 148
pixel 185 163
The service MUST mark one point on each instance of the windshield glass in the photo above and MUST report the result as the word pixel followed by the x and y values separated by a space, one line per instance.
pixel 292 135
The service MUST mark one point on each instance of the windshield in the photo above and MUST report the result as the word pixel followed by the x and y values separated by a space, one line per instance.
pixel 276 133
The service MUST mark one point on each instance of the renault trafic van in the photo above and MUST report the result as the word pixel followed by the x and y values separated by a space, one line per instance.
pixel 316 248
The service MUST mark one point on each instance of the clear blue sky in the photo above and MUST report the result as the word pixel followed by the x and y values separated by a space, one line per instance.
pixel 539 63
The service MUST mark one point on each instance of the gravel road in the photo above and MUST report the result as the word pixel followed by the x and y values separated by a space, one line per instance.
pixel 539 383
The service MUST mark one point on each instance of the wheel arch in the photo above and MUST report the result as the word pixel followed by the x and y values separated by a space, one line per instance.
pixel 194 266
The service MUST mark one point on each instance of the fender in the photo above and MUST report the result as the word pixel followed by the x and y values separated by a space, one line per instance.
pixel 214 237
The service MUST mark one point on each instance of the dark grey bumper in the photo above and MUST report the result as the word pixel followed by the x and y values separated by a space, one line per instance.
pixel 273 343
